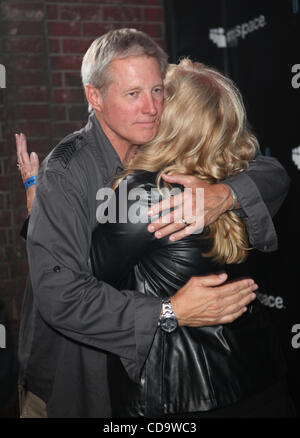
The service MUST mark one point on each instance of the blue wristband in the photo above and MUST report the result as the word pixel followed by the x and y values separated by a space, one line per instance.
pixel 30 181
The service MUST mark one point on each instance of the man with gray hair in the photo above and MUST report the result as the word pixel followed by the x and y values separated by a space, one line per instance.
pixel 71 320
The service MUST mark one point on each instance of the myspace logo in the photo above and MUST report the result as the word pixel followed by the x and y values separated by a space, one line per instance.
pixel 218 37
pixel 224 38
pixel 271 301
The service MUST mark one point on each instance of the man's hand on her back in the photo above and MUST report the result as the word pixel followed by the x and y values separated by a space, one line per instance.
pixel 206 301
pixel 195 208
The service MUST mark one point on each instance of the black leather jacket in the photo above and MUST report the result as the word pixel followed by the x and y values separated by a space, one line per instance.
pixel 191 369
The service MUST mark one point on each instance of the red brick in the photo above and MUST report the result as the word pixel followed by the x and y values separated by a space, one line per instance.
pixel 51 12
pixel 62 129
pixel 57 79
pixel 19 268
pixel 122 14
pixel 77 13
pixel 72 79
pixel 98 29
pixel 38 145
pixel 97 1
pixel 20 213
pixel 24 44
pixel 63 29
pixel 29 94
pixel 154 14
pixel 4 271
pixel 19 197
pixel 3 237
pixel 33 128
pixel 153 2
pixel 21 11
pixel 124 2
pixel 161 42
pixel 31 112
pixel 58 112
pixel 75 1
pixel 67 96
pixel 4 166
pixel 115 2
pixel 30 78
pixel 76 45
pixel 5 218
pixel 4 183
pixel 66 62
pixel 153 30
pixel 54 44
pixel 28 62
pixel 21 28
pixel 10 253
pixel 78 112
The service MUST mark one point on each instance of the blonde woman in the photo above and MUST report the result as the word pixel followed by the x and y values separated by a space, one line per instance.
pixel 223 370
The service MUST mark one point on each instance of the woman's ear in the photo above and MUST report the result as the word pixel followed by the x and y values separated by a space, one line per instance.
pixel 94 97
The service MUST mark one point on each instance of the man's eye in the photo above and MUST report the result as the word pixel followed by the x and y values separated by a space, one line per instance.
pixel 157 90
pixel 132 94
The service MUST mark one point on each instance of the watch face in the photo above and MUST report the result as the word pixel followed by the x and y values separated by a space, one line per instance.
pixel 169 324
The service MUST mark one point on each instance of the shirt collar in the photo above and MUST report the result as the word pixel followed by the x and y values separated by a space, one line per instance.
pixel 103 147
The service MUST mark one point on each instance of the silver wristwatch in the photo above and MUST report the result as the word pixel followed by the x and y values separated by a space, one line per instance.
pixel 167 321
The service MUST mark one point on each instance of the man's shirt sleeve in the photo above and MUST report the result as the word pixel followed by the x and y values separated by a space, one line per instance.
pixel 260 191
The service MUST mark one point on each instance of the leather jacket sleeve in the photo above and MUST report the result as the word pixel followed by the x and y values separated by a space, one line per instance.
pixel 260 190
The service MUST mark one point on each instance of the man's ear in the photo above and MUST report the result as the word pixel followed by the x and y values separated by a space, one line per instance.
pixel 94 97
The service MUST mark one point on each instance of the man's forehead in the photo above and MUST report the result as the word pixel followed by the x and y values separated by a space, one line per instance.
pixel 135 70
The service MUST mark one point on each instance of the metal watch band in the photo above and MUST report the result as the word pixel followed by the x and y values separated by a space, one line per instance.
pixel 167 310
pixel 168 321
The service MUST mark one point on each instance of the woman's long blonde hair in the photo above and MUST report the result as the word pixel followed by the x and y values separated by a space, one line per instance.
pixel 203 132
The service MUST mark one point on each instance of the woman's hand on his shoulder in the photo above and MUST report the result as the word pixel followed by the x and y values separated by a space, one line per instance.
pixel 28 166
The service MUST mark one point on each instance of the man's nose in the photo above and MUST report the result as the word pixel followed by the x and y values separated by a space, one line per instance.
pixel 149 105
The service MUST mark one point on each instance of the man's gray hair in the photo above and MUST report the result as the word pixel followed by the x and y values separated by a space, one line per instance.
pixel 117 44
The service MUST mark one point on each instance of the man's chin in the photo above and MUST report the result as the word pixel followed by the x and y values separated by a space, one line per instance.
pixel 146 137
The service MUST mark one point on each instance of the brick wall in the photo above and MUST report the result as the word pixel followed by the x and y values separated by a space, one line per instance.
pixel 41 47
